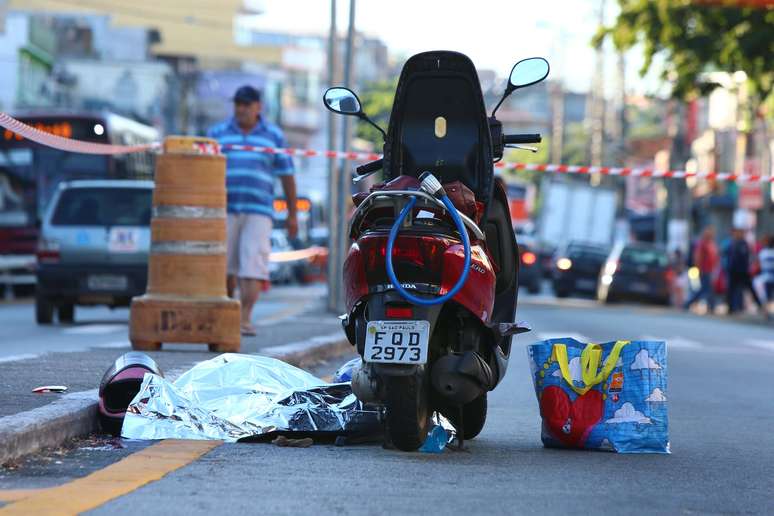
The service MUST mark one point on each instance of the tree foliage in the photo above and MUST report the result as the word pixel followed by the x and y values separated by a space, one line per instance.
pixel 695 38
pixel 522 156
pixel 377 101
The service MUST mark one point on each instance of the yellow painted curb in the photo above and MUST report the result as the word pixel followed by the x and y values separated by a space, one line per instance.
pixel 116 480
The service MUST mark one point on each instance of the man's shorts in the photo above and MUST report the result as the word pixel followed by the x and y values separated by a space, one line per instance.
pixel 249 245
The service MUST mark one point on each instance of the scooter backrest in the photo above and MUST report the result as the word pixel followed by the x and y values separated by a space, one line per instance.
pixel 439 123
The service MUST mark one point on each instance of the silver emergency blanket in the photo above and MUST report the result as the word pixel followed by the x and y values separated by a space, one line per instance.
pixel 234 396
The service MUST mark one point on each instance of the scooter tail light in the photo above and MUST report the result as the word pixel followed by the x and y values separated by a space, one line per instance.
pixel 399 312
pixel 528 258
pixel 415 258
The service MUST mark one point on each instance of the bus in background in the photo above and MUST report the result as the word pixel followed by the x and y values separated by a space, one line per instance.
pixel 30 173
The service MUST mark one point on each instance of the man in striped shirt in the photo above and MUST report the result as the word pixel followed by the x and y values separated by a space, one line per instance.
pixel 250 180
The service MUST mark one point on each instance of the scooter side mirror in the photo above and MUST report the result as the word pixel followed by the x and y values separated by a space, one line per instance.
pixel 528 72
pixel 524 73
pixel 343 101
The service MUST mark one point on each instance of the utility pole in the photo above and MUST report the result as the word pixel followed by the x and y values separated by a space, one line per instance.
pixel 677 209
pixel 557 121
pixel 556 92
pixel 334 273
pixel 621 125
pixel 344 176
pixel 598 103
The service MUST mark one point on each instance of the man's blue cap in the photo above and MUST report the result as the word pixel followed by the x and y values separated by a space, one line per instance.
pixel 247 94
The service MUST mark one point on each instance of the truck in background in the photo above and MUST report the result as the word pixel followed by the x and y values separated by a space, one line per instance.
pixel 574 211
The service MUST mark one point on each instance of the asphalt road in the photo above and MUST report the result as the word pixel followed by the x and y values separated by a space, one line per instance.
pixel 77 355
pixel 99 327
pixel 721 419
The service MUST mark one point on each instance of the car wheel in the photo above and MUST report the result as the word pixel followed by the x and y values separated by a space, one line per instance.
pixel 65 313
pixel 561 293
pixel 44 310
pixel 534 287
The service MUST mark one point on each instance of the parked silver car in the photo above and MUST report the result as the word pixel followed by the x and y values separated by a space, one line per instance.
pixel 93 248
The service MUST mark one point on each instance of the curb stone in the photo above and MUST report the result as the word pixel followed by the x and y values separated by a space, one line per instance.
pixel 75 414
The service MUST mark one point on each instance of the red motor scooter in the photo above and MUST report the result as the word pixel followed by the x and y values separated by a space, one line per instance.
pixel 431 277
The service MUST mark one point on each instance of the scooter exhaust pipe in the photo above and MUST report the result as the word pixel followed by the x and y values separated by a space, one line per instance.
pixel 461 377
pixel 365 384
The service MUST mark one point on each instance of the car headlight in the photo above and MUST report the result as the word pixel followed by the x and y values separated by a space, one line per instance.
pixel 563 264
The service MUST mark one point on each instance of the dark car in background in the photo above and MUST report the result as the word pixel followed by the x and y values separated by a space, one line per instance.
pixel 94 246
pixel 637 272
pixel 530 269
pixel 576 268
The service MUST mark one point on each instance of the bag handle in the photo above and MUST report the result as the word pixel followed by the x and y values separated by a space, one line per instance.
pixel 590 357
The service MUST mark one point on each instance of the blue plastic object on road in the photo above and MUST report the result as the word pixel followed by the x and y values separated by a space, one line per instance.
pixel 344 373
pixel 436 440
pixel 610 396
pixel 391 242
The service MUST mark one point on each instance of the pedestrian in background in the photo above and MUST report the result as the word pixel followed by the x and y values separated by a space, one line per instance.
pixel 738 264
pixel 250 178
pixel 764 282
pixel 707 260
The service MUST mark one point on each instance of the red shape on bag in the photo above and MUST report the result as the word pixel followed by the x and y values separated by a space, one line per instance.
pixel 571 422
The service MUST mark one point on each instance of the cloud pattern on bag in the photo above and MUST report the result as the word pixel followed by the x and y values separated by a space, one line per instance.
pixel 643 361
pixel 627 414
pixel 657 396
pixel 634 418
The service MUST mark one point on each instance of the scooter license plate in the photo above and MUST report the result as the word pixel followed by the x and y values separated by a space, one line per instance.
pixel 397 342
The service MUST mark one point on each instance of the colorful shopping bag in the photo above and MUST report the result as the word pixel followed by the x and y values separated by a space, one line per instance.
pixel 609 396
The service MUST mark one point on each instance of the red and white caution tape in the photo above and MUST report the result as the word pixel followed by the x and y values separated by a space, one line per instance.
pixel 561 169
pixel 638 172
pixel 67 144
pixel 300 254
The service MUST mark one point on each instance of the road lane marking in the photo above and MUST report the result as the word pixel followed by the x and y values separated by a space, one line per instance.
pixel 118 479
pixel 115 344
pixel 14 495
pixel 14 358
pixel 761 344
pixel 95 329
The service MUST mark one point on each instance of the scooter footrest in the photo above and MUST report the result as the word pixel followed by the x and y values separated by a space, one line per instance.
pixel 501 330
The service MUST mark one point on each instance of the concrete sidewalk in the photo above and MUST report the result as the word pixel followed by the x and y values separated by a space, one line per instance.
pixel 300 332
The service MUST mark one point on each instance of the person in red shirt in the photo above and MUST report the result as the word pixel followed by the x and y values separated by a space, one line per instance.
pixel 706 258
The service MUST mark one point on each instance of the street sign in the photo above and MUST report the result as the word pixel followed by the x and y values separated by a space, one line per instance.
pixel 750 197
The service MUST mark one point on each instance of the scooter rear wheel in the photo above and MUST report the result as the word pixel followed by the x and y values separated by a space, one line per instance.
pixel 408 411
